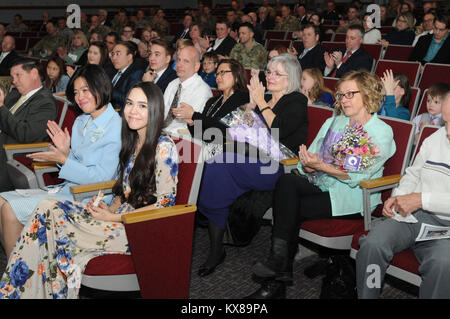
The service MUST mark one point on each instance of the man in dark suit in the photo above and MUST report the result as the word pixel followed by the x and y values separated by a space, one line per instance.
pixel 160 71
pixel 310 52
pixel 351 57
pixel 183 34
pixel 8 55
pixel 265 20
pixel 24 112
pixel 223 44
pixel 434 48
pixel 126 73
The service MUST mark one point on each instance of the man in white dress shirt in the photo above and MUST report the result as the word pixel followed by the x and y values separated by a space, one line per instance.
pixel 192 90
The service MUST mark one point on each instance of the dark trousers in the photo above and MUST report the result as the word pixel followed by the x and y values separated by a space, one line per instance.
pixel 296 200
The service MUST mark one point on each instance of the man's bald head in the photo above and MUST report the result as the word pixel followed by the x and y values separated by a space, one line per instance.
pixel 188 62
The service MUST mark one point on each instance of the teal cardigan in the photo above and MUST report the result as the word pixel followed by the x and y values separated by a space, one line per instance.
pixel 346 195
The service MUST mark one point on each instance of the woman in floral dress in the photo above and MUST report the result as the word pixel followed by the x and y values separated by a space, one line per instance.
pixel 62 236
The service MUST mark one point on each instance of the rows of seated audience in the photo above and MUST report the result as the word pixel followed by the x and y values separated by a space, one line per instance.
pixel 135 72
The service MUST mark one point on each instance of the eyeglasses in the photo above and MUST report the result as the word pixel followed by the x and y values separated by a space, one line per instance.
pixel 348 95
pixel 208 62
pixel 117 53
pixel 275 74
pixel 222 73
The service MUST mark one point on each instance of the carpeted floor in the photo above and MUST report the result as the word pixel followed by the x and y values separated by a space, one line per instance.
pixel 232 279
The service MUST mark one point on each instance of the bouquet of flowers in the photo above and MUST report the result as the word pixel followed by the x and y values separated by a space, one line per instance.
pixel 246 126
pixel 355 150
pixel 350 150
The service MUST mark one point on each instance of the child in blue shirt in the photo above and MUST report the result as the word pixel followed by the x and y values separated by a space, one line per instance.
pixel 209 63
pixel 398 96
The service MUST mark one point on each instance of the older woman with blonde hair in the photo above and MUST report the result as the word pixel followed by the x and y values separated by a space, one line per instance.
pixel 403 33
pixel 322 189
pixel 78 46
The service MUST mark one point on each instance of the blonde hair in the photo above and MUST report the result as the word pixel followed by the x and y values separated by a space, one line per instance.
pixel 370 87
pixel 319 87
pixel 81 34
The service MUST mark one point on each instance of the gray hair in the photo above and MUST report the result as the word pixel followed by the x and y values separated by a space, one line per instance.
pixel 292 68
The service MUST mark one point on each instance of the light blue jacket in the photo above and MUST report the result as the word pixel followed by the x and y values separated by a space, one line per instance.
pixel 94 157
pixel 346 195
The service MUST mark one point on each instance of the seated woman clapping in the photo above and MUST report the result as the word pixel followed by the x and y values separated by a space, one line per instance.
pixel 62 236
pixel 232 83
pixel 327 185
pixel 229 175
pixel 90 155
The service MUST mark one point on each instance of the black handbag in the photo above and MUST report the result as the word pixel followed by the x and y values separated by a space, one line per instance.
pixel 340 278
pixel 245 217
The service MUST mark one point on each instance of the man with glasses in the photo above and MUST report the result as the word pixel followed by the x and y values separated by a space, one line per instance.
pixel 224 43
pixel 128 34
pixel 159 60
pixel 434 48
pixel 251 54
pixel 426 27
pixel 351 57
pixel 126 73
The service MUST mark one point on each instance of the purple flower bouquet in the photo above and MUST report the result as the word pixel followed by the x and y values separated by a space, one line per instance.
pixel 247 127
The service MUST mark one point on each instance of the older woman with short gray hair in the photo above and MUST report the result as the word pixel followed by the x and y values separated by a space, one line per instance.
pixel 231 175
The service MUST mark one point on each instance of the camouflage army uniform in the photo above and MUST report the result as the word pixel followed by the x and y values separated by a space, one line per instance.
pixel 254 57
pixel 289 24
pixel 49 43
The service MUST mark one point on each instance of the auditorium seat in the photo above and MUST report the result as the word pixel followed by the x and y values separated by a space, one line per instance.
pixel 408 68
pixel 432 73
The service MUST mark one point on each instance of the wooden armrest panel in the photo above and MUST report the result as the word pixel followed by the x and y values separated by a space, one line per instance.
pixel 290 161
pixel 77 189
pixel 143 214
pixel 26 146
pixel 381 181
pixel 43 165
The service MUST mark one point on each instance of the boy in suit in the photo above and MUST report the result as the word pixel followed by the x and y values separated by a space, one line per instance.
pixel 160 71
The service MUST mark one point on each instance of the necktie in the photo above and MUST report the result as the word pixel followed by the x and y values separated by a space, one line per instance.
pixel 19 102
pixel 173 105
pixel 303 53
pixel 347 55
pixel 116 78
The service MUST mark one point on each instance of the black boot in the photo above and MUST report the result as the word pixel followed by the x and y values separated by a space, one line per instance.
pixel 279 263
pixel 217 251
pixel 271 289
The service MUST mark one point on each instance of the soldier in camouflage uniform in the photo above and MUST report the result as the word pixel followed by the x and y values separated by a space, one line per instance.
pixel 48 44
pixel 251 54
pixel 287 22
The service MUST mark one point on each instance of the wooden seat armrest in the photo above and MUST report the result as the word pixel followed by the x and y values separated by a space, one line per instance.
pixel 381 181
pixel 147 213
pixel 43 165
pixel 78 189
pixel 290 161
pixel 26 146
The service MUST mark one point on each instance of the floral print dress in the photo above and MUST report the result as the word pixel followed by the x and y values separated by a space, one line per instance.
pixel 61 237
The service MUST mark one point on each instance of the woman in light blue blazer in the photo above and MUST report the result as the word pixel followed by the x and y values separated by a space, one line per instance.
pixel 90 155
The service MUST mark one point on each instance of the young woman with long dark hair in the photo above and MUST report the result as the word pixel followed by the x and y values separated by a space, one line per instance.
pixel 64 235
